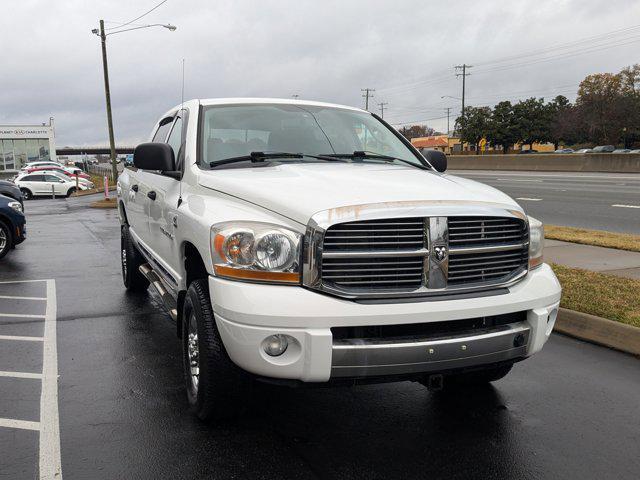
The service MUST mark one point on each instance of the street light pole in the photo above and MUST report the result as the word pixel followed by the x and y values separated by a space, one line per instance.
pixel 107 94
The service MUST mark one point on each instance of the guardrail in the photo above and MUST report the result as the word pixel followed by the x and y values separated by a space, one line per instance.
pixel 550 162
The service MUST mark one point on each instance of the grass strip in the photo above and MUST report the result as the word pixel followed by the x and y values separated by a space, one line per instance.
pixel 598 238
pixel 600 294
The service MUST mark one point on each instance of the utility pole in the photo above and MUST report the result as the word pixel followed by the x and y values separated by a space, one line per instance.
pixel 107 94
pixel 366 94
pixel 448 109
pixel 382 105
pixel 464 75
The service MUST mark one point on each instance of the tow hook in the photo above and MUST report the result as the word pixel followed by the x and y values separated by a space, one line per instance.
pixel 434 383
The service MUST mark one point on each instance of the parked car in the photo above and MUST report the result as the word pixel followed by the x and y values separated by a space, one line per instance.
pixel 83 183
pixel 43 184
pixel 310 242
pixel 128 161
pixel 564 150
pixel 635 151
pixel 64 171
pixel 622 150
pixel 603 149
pixel 43 163
pixel 528 151
pixel 584 150
pixel 11 190
pixel 12 224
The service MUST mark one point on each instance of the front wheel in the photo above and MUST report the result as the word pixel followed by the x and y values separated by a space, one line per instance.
pixel 71 191
pixel 6 240
pixel 216 387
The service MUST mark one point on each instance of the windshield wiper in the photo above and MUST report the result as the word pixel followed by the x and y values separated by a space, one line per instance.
pixel 256 157
pixel 366 155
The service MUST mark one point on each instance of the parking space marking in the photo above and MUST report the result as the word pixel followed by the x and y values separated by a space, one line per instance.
pixel 21 315
pixel 9 297
pixel 21 424
pixel 625 206
pixel 21 339
pixel 22 281
pixel 50 462
pixel 529 199
pixel 21 375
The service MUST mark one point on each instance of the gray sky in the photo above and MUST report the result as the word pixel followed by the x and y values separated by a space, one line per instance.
pixel 322 50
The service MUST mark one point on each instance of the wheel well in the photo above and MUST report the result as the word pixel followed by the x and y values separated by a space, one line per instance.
pixel 194 269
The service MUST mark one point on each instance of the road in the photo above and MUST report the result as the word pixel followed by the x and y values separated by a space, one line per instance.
pixel 601 201
pixel 571 411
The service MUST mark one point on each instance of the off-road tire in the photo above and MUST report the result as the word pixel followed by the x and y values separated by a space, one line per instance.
pixel 9 239
pixel 131 259
pixel 223 388
pixel 26 193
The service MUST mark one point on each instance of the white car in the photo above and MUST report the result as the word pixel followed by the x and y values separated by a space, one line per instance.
pixel 83 183
pixel 41 164
pixel 305 242
pixel 44 184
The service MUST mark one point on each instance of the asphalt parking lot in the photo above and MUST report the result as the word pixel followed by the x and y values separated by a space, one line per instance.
pixel 572 411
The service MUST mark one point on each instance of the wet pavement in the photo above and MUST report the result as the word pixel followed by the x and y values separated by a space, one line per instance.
pixel 572 411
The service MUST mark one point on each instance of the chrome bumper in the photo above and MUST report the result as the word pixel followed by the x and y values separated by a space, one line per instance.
pixel 369 357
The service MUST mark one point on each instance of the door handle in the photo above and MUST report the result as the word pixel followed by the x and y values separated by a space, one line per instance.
pixel 134 188
pixel 151 195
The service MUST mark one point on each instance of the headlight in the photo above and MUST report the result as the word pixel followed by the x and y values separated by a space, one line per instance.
pixel 536 242
pixel 16 206
pixel 256 251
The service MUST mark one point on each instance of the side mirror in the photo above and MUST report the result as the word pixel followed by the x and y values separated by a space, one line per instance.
pixel 154 156
pixel 436 159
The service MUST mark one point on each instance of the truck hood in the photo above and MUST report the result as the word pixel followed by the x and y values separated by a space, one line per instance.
pixel 298 190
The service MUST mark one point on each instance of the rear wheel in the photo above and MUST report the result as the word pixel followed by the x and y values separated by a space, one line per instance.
pixel 131 259
pixel 216 387
pixel 26 193
pixel 6 240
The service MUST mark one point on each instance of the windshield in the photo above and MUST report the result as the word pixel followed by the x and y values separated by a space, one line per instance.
pixel 237 130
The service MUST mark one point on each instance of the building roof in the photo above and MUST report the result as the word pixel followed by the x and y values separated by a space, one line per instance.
pixel 430 142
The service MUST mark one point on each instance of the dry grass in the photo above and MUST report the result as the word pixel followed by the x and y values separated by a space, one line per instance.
pixel 599 294
pixel 105 203
pixel 599 238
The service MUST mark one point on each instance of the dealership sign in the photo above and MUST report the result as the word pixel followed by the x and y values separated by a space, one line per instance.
pixel 26 132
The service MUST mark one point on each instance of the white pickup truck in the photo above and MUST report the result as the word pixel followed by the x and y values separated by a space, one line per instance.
pixel 304 242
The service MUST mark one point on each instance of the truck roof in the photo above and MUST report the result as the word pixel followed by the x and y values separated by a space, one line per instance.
pixel 288 101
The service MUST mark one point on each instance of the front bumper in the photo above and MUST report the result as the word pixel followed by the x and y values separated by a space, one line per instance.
pixel 248 313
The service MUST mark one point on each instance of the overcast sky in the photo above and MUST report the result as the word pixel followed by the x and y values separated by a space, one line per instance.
pixel 322 50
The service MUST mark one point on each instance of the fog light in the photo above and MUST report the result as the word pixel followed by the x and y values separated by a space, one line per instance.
pixel 275 345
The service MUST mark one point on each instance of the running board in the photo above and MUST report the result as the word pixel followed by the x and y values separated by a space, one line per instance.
pixel 158 284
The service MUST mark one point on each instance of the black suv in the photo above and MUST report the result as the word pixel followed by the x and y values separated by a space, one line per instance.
pixel 12 224
pixel 11 190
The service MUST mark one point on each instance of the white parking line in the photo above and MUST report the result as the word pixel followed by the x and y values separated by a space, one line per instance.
pixel 22 281
pixel 625 206
pixel 21 424
pixel 50 462
pixel 20 315
pixel 512 180
pixel 23 339
pixel 37 376
pixel 529 199
pixel 9 297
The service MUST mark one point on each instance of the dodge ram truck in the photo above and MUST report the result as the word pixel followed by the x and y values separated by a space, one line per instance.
pixel 300 243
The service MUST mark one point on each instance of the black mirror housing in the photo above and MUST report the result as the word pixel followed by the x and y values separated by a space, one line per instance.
pixel 154 156
pixel 436 159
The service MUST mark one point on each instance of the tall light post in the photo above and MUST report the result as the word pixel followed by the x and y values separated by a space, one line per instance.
pixel 107 92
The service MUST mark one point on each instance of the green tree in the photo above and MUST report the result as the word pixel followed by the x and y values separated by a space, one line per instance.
pixel 601 101
pixel 532 121
pixel 474 125
pixel 503 128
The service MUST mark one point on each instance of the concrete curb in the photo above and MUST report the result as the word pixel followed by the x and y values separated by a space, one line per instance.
pixel 599 330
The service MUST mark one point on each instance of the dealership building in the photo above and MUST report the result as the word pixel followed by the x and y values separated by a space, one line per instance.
pixel 20 144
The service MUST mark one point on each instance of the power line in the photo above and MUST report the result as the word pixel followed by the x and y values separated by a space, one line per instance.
pixel 366 94
pixel 419 121
pixel 138 18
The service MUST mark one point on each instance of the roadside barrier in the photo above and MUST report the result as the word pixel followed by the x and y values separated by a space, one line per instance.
pixel 568 162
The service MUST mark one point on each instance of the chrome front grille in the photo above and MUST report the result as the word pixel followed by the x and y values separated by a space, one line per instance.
pixel 418 255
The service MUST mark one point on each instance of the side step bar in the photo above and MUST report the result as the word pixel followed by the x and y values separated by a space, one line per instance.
pixel 158 284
